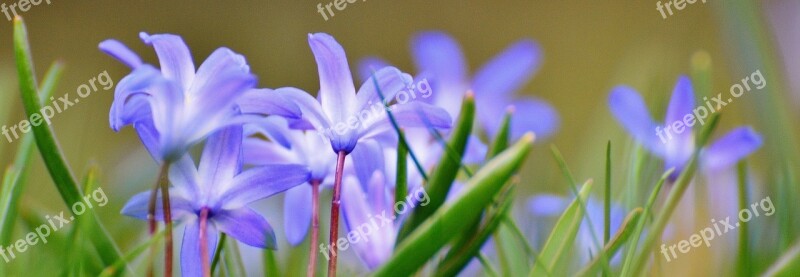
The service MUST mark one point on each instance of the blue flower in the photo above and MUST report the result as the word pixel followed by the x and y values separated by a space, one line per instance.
pixel 287 146
pixel 347 117
pixel 217 193
pixel 439 59
pixel 676 148
pixel 176 107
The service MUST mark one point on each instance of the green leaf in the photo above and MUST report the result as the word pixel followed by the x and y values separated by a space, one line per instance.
pixel 557 248
pixel 607 196
pixel 446 171
pixel 615 243
pixel 470 245
pixel 501 140
pixel 48 147
pixel 12 192
pixel 631 252
pixel 438 229
pixel 271 263
pixel 744 261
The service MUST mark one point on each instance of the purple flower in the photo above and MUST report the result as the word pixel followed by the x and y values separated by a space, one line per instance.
pixel 439 59
pixel 347 117
pixel 220 190
pixel 370 213
pixel 176 107
pixel 676 145
pixel 288 146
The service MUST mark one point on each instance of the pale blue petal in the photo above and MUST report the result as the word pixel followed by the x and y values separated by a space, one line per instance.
pixel 261 182
pixel 731 148
pixel 138 206
pixel 247 226
pixel 367 66
pixel 268 102
pixel 221 61
pixel 173 56
pixel 297 209
pixel 390 81
pixel 507 72
pixel 337 93
pixel 629 109
pixel 221 159
pixel 120 52
pixel 439 56
pixel 191 263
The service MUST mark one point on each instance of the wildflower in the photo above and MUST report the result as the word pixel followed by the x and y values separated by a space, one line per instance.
pixel 214 197
pixel 439 59
pixel 176 107
pixel 628 108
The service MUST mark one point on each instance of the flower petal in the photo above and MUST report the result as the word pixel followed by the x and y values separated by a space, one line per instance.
pixel 268 102
pixel 438 55
pixel 507 72
pixel 310 108
pixel 409 115
pixel 390 82
pixel 130 95
pixel 534 115
pixel 337 93
pixel 173 56
pixel 297 213
pixel 629 109
pixel 376 246
pixel 679 146
pixel 247 226
pixel 261 182
pixel 191 263
pixel 221 61
pixel 367 66
pixel 138 206
pixel 120 52
pixel 221 159
pixel 731 148
pixel 367 159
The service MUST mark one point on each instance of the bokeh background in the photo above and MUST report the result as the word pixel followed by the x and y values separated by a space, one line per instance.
pixel 588 46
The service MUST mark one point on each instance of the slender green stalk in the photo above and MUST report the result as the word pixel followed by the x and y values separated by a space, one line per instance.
pixel 607 200
pixel 631 252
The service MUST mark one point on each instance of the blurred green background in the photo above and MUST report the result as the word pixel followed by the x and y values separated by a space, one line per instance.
pixel 589 47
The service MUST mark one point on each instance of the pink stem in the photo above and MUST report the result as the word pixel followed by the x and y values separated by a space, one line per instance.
pixel 204 242
pixel 337 188
pixel 312 259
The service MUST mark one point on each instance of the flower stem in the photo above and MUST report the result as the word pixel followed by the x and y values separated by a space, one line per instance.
pixel 312 255
pixel 337 189
pixel 204 242
pixel 163 184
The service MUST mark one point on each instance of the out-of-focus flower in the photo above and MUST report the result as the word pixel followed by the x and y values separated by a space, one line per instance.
pixel 287 146
pixel 370 214
pixel 218 192
pixel 176 107
pixel 676 148
pixel 439 59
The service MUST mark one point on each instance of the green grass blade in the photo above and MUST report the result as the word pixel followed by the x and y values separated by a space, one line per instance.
pixel 446 170
pixel 48 147
pixel 502 138
pixel 557 248
pixel 744 261
pixel 8 203
pixel 631 252
pixel 119 266
pixel 622 236
pixel 786 265
pixel 437 230
pixel 607 196
pixel 401 183
pixel 271 264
